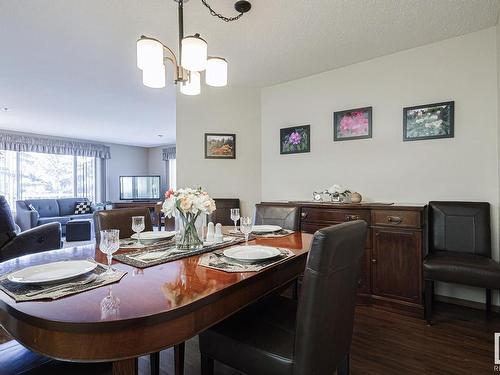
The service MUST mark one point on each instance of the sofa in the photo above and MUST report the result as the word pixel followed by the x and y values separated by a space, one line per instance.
pixel 14 243
pixel 48 211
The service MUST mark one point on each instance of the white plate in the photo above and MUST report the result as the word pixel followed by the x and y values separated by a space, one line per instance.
pixel 153 236
pixel 52 272
pixel 253 253
pixel 266 228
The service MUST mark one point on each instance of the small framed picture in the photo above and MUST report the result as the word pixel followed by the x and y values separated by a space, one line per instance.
pixel 429 121
pixel 352 124
pixel 295 140
pixel 220 146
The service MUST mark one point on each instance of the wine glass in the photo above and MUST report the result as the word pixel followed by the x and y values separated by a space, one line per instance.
pixel 110 243
pixel 246 227
pixel 235 216
pixel 138 226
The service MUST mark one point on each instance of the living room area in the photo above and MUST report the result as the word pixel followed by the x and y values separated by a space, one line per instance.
pixel 56 184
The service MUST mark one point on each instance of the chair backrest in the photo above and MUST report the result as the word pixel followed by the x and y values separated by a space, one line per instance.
pixel 222 214
pixel 274 214
pixel 7 224
pixel 325 315
pixel 121 219
pixel 44 207
pixel 460 226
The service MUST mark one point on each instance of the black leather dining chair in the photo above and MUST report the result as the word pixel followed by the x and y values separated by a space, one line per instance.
pixel 286 217
pixel 13 244
pixel 121 219
pixel 280 336
pixel 222 213
pixel 459 249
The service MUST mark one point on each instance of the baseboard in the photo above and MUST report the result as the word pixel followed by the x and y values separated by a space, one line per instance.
pixel 465 303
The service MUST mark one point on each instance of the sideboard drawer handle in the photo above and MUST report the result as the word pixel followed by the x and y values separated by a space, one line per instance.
pixel 394 219
pixel 303 215
pixel 351 217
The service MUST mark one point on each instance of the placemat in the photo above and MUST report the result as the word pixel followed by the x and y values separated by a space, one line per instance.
pixel 92 280
pixel 253 235
pixel 130 243
pixel 167 252
pixel 218 261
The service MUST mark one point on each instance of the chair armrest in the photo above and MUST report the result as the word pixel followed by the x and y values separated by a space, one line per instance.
pixel 42 238
pixel 26 219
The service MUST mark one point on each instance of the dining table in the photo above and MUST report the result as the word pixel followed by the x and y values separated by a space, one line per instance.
pixel 148 310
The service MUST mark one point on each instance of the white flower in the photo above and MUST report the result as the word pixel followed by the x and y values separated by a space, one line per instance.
pixel 194 201
pixel 335 189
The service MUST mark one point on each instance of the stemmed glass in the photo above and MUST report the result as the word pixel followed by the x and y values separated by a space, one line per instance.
pixel 246 227
pixel 110 243
pixel 138 226
pixel 235 216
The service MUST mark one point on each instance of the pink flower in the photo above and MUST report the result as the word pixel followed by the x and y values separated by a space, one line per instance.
pixel 295 138
pixel 169 193
pixel 354 123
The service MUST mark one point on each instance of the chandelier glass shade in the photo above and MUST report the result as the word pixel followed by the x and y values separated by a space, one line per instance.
pixel 216 72
pixel 194 53
pixel 152 55
pixel 193 85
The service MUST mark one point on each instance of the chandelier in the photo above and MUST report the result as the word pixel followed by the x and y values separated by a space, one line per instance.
pixel 193 52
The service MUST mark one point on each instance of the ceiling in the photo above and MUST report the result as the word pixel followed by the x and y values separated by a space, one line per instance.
pixel 68 68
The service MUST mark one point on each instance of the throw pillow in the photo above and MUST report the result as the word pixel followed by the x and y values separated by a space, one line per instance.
pixel 31 207
pixel 82 208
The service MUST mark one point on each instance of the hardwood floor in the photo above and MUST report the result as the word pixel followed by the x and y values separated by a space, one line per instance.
pixel 459 342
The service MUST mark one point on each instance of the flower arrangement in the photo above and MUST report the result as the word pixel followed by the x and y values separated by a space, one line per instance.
pixel 188 204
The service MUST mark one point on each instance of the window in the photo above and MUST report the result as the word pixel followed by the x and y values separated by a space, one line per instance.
pixel 32 175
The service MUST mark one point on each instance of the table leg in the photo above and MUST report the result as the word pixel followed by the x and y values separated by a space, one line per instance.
pixel 179 359
pixel 126 367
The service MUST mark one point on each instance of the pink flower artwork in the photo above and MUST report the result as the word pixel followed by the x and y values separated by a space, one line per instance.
pixel 353 124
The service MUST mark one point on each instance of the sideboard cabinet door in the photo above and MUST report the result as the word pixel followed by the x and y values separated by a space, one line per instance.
pixel 396 264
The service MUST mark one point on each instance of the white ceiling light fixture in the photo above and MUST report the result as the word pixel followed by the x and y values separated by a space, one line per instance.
pixel 216 73
pixel 193 52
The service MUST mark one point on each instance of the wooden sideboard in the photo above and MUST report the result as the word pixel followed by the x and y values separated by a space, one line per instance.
pixel 392 266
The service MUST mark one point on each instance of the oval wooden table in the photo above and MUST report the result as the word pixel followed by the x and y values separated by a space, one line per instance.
pixel 159 306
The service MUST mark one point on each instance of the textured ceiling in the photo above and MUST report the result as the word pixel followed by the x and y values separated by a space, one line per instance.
pixel 68 67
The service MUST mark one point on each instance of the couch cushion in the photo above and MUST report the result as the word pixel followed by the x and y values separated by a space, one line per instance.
pixel 6 221
pixel 57 219
pixel 45 207
pixel 67 205
pixel 81 217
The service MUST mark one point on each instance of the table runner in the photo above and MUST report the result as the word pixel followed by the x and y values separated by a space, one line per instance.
pixel 218 261
pixel 167 252
pixel 25 292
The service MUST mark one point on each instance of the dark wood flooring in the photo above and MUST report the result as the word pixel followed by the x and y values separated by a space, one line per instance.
pixel 459 342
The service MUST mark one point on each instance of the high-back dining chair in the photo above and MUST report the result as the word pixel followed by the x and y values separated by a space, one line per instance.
pixel 459 249
pixel 121 219
pixel 280 336
pixel 222 213
pixel 286 217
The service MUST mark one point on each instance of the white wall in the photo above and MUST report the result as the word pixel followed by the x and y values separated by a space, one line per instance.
pixel 125 161
pixel 157 166
pixel 385 168
pixel 223 110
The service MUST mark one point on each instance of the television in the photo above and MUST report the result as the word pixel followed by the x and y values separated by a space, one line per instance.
pixel 140 188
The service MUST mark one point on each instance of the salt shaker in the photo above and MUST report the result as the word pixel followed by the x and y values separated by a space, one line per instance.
pixel 210 232
pixel 218 233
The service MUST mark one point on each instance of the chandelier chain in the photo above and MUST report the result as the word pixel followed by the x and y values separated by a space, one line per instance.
pixel 224 18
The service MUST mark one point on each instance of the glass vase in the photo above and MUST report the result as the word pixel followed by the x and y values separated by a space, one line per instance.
pixel 188 231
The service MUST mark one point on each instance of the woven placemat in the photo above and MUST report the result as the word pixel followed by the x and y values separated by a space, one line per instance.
pixel 91 280
pixel 254 235
pixel 153 256
pixel 218 261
